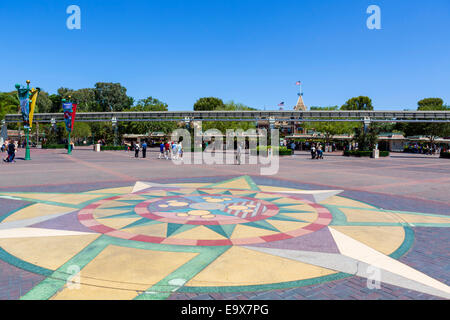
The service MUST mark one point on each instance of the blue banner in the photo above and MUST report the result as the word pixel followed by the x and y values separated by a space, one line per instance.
pixel 67 108
pixel 25 106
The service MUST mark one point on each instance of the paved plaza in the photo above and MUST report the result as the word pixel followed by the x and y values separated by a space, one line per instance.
pixel 110 226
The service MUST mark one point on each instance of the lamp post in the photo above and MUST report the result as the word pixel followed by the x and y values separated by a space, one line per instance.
pixel 24 98
pixel 69 145
pixel 27 130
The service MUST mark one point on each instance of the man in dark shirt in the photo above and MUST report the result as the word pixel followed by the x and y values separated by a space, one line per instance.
pixel 11 152
pixel 144 149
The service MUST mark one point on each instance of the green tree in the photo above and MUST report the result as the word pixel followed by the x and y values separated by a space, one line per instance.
pixel 81 130
pixel 430 130
pixel 431 104
pixel 358 103
pixel 56 100
pixel 333 108
pixel 223 126
pixel 64 93
pixel 149 104
pixel 112 96
pixel 330 128
pixel 209 104
pixel 85 100
pixel 9 104
pixel 366 140
pixel 44 103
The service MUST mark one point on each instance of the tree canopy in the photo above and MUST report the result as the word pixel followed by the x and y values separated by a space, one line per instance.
pixel 430 130
pixel 209 104
pixel 358 103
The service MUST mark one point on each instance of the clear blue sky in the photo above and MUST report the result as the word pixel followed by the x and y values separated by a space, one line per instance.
pixel 248 51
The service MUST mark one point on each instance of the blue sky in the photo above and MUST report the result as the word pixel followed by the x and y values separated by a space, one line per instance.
pixel 248 51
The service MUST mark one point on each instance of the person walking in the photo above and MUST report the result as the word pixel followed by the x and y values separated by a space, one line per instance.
pixel 167 150
pixel 313 152
pixel 136 150
pixel 319 152
pixel 174 151
pixel 144 149
pixel 11 152
pixel 180 151
pixel 161 150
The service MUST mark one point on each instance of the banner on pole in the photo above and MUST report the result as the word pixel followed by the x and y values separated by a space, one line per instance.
pixel 24 98
pixel 74 113
pixel 34 95
pixel 68 110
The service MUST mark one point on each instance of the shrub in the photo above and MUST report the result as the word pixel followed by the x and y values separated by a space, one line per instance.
pixel 282 151
pixel 359 153
pixel 445 155
pixel 113 148
pixel 54 146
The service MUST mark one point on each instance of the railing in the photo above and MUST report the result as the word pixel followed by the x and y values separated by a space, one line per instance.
pixel 247 116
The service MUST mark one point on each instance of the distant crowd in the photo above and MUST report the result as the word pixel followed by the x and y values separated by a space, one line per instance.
pixel 424 149
pixel 169 150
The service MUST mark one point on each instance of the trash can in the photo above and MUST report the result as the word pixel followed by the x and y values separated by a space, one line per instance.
pixel 97 148
pixel 376 154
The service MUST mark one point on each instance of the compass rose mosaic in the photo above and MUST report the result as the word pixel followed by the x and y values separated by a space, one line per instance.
pixel 150 240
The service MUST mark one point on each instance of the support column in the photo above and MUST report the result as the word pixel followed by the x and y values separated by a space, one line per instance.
pixel 367 123
pixel 198 141
pixel 3 132
pixel 271 127
pixel 114 124
pixel 187 122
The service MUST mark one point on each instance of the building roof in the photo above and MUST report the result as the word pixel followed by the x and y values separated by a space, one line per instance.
pixel 300 104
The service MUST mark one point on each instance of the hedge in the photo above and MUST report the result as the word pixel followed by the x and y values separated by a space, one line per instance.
pixel 445 155
pixel 282 151
pixel 358 153
pixel 54 146
pixel 113 148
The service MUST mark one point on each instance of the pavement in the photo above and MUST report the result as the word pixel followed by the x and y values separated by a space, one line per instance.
pixel 111 226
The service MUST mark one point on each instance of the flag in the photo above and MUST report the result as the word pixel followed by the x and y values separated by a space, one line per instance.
pixel 298 83
pixel 281 104
pixel 34 95
pixel 68 110
pixel 74 108
pixel 24 98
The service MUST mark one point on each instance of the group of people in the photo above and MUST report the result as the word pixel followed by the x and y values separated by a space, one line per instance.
pixel 137 148
pixel 10 148
pixel 424 149
pixel 316 151
pixel 171 150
